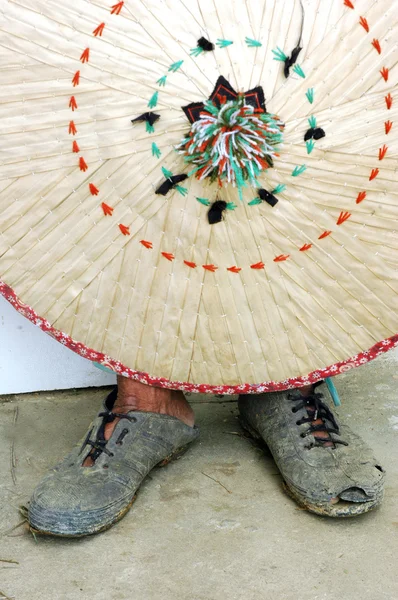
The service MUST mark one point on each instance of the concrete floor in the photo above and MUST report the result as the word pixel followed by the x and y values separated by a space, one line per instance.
pixel 189 537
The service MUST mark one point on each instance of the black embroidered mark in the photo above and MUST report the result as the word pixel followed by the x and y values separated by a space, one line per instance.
pixel 291 60
pixel 205 45
pixel 170 183
pixel 266 196
pixel 315 133
pixel 215 213
pixel 148 117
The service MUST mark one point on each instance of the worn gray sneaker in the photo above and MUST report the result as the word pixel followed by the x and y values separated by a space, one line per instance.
pixel 335 477
pixel 73 501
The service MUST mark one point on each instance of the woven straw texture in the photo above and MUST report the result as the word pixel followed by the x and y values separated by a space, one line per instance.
pixel 267 294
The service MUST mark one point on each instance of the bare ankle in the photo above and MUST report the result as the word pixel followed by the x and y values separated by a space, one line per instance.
pixel 133 395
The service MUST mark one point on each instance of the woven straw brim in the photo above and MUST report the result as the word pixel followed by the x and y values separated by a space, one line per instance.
pixel 268 294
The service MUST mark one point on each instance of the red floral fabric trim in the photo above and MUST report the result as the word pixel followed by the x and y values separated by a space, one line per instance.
pixel 202 388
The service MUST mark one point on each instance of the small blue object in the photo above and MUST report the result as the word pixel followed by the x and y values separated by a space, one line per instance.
pixel 175 66
pixel 279 188
pixel 99 366
pixel 168 174
pixel 310 95
pixel 299 71
pixel 154 100
pixel 182 190
pixel 162 81
pixel 279 55
pixel 156 151
pixel 298 170
pixel 196 51
pixel 333 391
pixel 203 201
pixel 253 43
pixel 223 43
pixel 312 121
pixel 310 146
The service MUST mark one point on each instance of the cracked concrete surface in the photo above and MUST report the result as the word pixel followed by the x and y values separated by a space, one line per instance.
pixel 214 525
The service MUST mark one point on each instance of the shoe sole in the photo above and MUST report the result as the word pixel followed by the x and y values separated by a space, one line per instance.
pixel 163 463
pixel 341 509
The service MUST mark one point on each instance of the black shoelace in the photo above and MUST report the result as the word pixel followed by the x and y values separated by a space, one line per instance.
pixel 99 444
pixel 317 410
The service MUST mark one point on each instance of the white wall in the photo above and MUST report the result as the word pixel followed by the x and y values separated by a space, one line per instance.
pixel 31 360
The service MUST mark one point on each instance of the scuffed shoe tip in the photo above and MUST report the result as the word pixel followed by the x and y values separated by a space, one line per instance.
pixel 356 494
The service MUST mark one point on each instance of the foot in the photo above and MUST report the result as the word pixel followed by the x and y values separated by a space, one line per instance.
pixel 96 484
pixel 326 467
pixel 135 396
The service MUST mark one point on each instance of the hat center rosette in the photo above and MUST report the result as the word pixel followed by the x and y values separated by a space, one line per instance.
pixel 232 143
pixel 232 139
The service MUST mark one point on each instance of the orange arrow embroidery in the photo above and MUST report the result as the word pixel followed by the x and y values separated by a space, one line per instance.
pixel 85 55
pixel 116 8
pixel 124 229
pixel 72 103
pixel 76 79
pixel 374 174
pixel 148 245
pixel 382 152
pixel 361 197
pixel 211 268
pixel 108 210
pixel 376 45
pixel 75 147
pixel 234 269
pixel 384 73
pixel 324 235
pixel 281 257
pixel 82 164
pixel 168 255
pixel 192 265
pixel 259 265
pixel 344 215
pixel 364 23
pixel 93 189
pixel 348 3
pixel 388 126
pixel 98 30
pixel 72 128
pixel 305 247
pixel 388 100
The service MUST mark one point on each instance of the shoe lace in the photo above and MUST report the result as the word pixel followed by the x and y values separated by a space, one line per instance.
pixel 317 410
pixel 99 444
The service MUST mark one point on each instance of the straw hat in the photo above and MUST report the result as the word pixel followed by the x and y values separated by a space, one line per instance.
pixel 203 194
